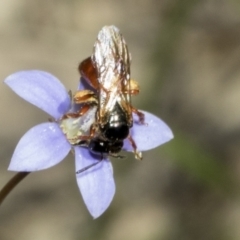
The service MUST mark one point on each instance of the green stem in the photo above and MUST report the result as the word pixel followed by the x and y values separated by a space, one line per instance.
pixel 11 184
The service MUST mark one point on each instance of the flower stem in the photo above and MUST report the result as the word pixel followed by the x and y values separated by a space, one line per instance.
pixel 11 184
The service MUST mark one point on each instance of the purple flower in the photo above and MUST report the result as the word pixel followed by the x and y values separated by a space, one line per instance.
pixel 45 145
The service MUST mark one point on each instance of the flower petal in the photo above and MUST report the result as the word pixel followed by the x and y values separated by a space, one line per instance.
pixel 42 90
pixel 96 184
pixel 43 146
pixel 154 133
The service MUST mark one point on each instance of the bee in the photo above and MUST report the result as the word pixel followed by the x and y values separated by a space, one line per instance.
pixel 107 72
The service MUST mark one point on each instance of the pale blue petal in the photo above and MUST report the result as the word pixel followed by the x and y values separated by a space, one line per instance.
pixel 43 146
pixel 96 184
pixel 42 90
pixel 150 135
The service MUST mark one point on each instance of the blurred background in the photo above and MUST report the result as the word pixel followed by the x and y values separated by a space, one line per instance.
pixel 186 58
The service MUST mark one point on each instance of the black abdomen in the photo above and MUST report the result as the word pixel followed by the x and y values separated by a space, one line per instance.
pixel 117 127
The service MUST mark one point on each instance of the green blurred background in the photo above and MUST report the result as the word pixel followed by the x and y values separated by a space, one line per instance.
pixel 186 57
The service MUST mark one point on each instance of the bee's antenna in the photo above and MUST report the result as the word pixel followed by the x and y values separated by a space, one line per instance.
pixel 89 166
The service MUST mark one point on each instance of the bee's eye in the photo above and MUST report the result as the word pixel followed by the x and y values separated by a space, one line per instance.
pixel 97 146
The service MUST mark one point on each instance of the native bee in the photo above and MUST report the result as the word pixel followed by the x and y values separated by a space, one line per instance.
pixel 107 71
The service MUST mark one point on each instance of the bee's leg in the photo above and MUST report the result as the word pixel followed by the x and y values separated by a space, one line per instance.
pixel 86 97
pixel 140 115
pixel 80 113
pixel 92 130
pixel 134 90
pixel 88 72
pixel 138 155
pixel 134 87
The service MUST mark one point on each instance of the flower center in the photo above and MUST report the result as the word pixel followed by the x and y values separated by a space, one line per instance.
pixel 75 127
